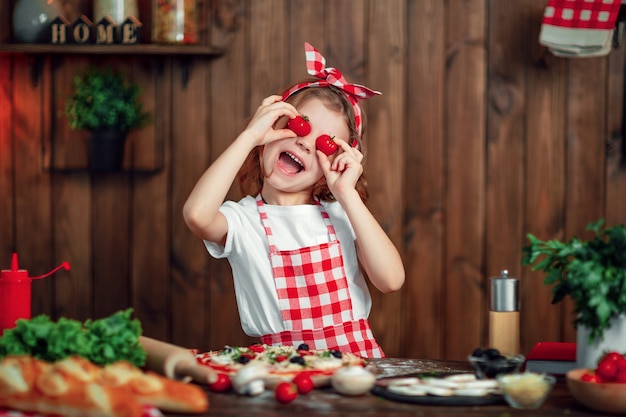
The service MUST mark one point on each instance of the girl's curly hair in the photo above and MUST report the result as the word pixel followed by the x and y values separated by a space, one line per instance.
pixel 251 176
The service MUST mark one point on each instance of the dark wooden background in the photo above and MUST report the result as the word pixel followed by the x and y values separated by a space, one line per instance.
pixel 481 136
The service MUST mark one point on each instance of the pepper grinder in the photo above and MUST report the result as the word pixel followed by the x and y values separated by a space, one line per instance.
pixel 504 333
pixel 15 293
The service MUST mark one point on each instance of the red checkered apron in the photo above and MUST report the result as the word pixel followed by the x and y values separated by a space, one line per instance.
pixel 314 297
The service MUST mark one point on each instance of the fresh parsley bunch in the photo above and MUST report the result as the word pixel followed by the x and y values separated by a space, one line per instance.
pixel 592 273
pixel 101 341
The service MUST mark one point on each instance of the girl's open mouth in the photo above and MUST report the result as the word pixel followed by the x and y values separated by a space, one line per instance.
pixel 290 163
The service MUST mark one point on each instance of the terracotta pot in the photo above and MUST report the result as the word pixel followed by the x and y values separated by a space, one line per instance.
pixel 106 150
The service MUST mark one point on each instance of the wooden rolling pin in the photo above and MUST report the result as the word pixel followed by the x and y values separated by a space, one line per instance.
pixel 175 362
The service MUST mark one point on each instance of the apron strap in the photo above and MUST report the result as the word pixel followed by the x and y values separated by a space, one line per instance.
pixel 332 235
pixel 266 223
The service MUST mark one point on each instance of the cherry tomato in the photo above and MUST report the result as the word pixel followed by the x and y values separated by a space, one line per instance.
pixel 286 392
pixel 257 348
pixel 222 384
pixel 588 377
pixel 326 144
pixel 304 383
pixel 607 370
pixel 299 125
pixel 612 356
pixel 621 377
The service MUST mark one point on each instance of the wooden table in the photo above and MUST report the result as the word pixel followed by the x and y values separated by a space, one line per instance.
pixel 326 402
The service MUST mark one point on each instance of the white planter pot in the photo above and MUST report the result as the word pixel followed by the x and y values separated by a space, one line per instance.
pixel 614 338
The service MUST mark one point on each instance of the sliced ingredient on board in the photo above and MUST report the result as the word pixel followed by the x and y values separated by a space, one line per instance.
pixel 446 386
pixel 76 386
pixel 299 125
pixel 326 144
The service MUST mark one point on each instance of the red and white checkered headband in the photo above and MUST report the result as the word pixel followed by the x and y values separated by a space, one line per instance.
pixel 316 66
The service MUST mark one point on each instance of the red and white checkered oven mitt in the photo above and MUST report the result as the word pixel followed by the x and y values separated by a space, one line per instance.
pixel 579 28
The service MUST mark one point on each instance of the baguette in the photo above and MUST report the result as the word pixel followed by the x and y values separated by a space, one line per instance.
pixel 76 387
pixel 154 389
pixel 28 384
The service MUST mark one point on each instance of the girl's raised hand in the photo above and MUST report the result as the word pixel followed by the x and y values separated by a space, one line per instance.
pixel 342 170
pixel 267 114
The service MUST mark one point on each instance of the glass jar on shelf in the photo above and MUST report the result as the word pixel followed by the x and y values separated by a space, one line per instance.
pixel 174 21
pixel 118 10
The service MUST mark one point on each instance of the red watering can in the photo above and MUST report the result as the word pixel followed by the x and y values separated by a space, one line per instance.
pixel 15 293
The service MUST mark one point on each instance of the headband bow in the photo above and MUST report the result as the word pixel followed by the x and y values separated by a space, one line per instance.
pixel 316 66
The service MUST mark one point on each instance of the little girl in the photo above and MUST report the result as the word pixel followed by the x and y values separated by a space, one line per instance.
pixel 297 240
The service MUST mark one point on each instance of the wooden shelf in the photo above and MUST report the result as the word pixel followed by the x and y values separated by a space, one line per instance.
pixel 92 49
pixel 149 49
pixel 186 53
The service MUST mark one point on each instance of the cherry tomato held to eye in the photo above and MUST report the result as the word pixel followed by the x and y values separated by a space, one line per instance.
pixel 299 125
pixel 326 144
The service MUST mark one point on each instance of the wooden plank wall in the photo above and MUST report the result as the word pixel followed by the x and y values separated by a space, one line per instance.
pixel 481 136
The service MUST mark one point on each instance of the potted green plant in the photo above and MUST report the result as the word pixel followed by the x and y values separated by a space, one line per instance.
pixel 593 274
pixel 109 107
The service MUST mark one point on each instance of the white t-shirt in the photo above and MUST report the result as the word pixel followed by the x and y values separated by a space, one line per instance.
pixel 294 227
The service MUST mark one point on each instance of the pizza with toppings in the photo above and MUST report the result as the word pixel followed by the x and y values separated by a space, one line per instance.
pixel 282 363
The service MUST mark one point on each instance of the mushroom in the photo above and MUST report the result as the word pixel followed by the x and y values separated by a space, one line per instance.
pixel 353 380
pixel 249 380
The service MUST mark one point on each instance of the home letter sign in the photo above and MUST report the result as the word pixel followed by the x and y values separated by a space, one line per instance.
pixel 81 30
pixel 58 30
pixel 105 31
pixel 131 29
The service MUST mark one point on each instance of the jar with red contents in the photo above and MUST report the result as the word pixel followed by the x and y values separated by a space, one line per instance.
pixel 174 21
